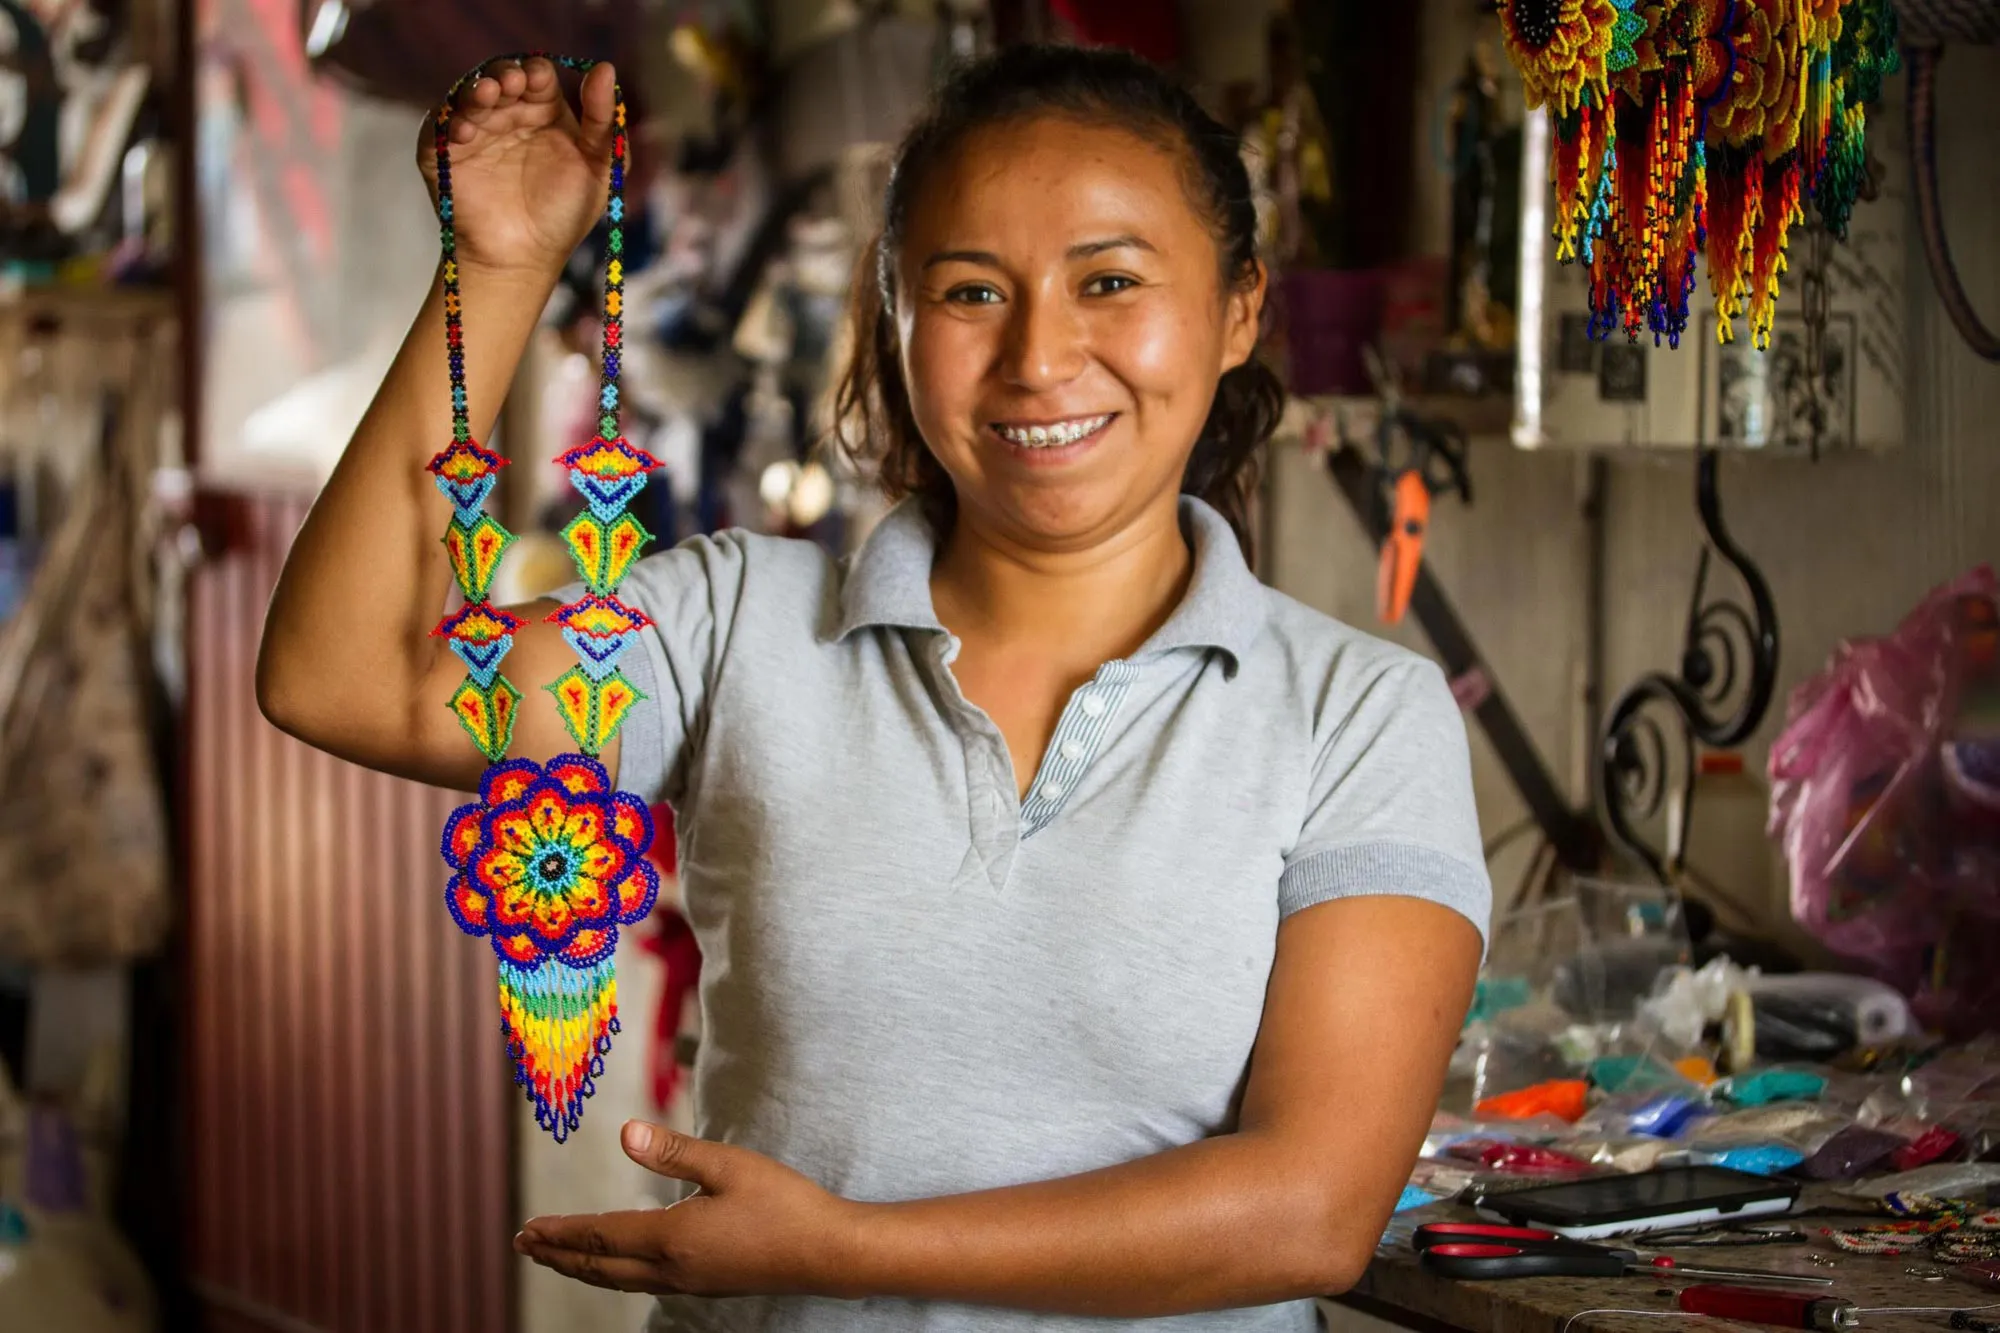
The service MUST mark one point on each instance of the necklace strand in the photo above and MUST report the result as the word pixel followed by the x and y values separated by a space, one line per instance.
pixel 550 862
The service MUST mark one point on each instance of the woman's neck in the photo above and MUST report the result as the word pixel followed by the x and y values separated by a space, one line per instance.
pixel 1102 602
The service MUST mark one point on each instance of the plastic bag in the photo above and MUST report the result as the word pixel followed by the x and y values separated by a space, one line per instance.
pixel 1619 1152
pixel 1645 1073
pixel 1953 1180
pixel 1515 1050
pixel 1778 1084
pixel 1758 1159
pixel 1886 798
pixel 1854 1151
pixel 1444 1179
pixel 1519 1159
pixel 1564 1098
pixel 1564 978
pixel 1448 1129
pixel 1655 1114
pixel 1814 1016
pixel 1799 1125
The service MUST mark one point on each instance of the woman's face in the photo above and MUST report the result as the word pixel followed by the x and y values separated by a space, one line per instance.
pixel 1063 325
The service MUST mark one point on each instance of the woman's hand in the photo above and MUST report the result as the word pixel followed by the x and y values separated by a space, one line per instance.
pixel 756 1228
pixel 528 177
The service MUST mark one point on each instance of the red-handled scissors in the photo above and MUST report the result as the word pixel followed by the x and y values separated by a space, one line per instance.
pixel 1475 1250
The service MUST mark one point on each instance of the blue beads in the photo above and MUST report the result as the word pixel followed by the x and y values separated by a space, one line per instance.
pixel 611 365
pixel 617 175
pixel 458 396
pixel 609 398
pixel 617 210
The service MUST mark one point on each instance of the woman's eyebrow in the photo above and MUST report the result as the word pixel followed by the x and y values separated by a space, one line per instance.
pixel 982 257
pixel 1081 250
pixel 1085 249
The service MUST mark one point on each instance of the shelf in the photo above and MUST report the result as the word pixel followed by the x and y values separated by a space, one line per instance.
pixel 92 304
pixel 1312 419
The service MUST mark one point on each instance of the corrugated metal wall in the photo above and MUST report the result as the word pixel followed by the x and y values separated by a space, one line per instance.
pixel 351 1101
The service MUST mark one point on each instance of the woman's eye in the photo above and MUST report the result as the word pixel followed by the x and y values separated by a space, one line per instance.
pixel 1108 283
pixel 973 294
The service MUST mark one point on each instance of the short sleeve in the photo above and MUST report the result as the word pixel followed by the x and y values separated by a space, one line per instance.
pixel 1390 809
pixel 691 593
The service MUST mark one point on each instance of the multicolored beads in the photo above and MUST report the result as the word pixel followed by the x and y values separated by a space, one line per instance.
pixel 550 861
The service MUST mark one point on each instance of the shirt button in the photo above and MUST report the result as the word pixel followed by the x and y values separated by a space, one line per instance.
pixel 1093 705
pixel 1072 749
pixel 1054 791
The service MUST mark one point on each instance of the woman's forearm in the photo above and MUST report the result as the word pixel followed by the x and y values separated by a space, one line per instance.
pixel 1234 1220
pixel 347 653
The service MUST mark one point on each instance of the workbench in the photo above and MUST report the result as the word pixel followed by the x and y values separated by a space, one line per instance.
pixel 1396 1290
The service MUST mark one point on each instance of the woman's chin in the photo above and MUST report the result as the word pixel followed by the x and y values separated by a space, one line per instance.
pixel 1057 517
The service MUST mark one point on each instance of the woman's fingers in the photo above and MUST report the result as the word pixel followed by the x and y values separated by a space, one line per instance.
pixel 612 1273
pixel 493 93
pixel 599 100
pixel 510 94
pixel 539 81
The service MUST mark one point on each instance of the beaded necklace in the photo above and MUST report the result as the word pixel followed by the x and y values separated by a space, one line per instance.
pixel 550 861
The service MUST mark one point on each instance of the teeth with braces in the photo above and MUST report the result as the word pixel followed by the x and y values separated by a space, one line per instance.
pixel 1049 437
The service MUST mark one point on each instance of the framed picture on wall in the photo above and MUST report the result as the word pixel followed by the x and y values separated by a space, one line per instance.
pixel 1767 400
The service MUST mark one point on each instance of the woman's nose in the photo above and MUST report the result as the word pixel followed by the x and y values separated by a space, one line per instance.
pixel 1044 344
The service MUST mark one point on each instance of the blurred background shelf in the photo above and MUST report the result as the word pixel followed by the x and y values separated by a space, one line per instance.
pixel 66 302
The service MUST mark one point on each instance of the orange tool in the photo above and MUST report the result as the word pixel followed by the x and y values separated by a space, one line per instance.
pixel 1403 548
pixel 1418 458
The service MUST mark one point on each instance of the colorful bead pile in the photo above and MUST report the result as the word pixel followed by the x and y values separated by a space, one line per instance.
pixel 1684 126
pixel 550 861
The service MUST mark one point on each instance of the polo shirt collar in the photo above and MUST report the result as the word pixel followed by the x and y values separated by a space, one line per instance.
pixel 1225 606
pixel 888 584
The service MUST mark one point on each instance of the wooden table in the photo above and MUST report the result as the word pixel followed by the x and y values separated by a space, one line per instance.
pixel 1396 1289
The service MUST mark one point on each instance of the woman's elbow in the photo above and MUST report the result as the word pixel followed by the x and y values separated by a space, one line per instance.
pixel 1338 1260
pixel 297 701
pixel 1345 1263
pixel 278 697
pixel 1319 1250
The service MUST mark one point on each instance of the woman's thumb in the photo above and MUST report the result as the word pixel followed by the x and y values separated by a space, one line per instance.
pixel 598 100
pixel 675 1155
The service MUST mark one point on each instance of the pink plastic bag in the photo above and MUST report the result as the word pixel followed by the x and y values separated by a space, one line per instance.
pixel 1885 793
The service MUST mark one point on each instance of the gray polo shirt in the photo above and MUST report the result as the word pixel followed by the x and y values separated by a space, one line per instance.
pixel 915 984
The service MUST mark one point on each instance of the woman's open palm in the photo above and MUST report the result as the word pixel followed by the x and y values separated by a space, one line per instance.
pixel 529 176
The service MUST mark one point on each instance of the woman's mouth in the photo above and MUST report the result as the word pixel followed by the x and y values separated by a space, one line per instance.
pixel 1051 440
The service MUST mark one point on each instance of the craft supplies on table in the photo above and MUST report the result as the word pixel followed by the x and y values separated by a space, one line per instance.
pixel 1472 1250
pixel 1785 1309
pixel 1887 1293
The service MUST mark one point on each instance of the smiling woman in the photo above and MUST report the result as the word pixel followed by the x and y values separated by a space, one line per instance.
pixel 1135 264
pixel 1086 927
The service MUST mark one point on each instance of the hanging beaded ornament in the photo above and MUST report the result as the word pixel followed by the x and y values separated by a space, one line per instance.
pixel 550 861
pixel 1685 127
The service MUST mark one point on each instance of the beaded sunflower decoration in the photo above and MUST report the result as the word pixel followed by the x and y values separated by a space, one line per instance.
pixel 550 861
pixel 1692 127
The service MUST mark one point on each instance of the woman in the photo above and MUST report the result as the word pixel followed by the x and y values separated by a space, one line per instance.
pixel 1085 927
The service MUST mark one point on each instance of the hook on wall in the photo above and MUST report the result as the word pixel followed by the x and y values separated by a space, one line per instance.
pixel 1728 672
pixel 1921 59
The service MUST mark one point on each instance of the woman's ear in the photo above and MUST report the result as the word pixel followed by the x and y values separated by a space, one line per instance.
pixel 1242 318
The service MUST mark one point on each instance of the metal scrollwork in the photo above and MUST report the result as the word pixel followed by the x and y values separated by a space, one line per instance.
pixel 1728 672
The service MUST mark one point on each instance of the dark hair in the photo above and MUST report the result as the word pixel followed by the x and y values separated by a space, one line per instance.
pixel 872 421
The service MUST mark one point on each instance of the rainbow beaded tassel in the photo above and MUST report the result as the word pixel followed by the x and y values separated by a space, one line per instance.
pixel 550 861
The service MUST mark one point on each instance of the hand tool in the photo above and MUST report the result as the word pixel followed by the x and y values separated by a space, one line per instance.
pixel 1481 1250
